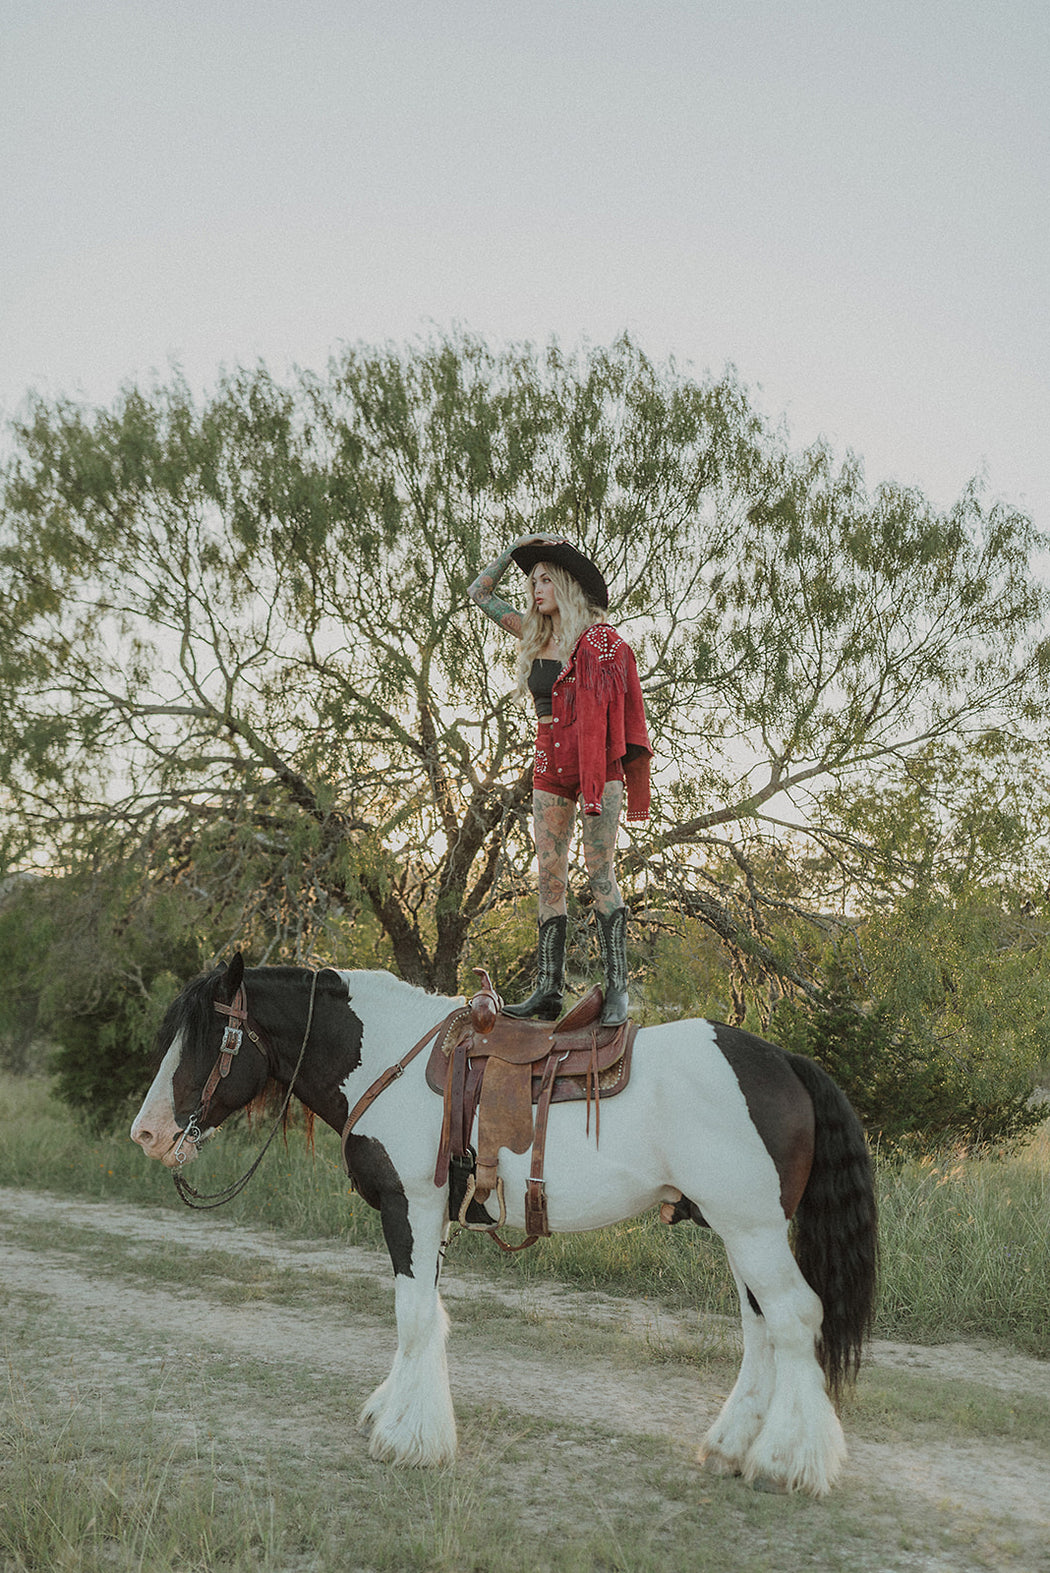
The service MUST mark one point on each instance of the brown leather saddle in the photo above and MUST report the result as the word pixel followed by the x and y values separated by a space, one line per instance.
pixel 498 1069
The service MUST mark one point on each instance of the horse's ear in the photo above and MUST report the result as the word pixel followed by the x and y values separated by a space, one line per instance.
pixel 235 972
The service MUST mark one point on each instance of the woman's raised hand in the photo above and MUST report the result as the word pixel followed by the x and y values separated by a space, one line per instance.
pixel 530 540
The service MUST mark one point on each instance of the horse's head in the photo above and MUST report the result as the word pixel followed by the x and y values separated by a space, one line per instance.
pixel 200 1081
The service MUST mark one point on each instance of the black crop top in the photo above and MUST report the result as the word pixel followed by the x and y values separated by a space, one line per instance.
pixel 542 677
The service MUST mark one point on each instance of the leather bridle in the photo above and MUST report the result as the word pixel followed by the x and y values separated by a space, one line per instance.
pixel 237 1026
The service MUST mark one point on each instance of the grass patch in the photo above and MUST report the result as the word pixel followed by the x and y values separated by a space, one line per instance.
pixel 74 1499
pixel 906 1406
pixel 234 1278
pixel 966 1248
pixel 188 1489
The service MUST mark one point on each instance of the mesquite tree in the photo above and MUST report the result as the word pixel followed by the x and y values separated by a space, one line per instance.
pixel 236 648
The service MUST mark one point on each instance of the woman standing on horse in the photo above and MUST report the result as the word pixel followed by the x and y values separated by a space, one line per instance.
pixel 591 743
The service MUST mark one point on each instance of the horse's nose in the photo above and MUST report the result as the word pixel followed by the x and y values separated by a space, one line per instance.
pixel 146 1138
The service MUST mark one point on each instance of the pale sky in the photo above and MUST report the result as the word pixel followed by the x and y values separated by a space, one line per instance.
pixel 846 199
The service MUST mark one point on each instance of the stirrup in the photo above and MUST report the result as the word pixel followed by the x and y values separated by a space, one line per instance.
pixel 482 1228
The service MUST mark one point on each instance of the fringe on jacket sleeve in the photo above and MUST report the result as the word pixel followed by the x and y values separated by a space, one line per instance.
pixel 604 699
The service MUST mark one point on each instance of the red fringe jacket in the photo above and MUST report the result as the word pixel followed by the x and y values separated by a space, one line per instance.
pixel 599 719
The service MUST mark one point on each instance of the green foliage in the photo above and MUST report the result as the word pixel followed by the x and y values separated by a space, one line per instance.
pixel 936 1021
pixel 237 661
pixel 26 934
pixel 252 613
pixel 95 959
pixel 683 970
pixel 910 1095
pixel 102 1059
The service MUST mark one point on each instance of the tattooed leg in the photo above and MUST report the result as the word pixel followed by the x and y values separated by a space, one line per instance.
pixel 553 819
pixel 599 849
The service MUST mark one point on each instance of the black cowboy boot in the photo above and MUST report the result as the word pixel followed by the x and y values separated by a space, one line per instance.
pixel 545 1002
pixel 612 938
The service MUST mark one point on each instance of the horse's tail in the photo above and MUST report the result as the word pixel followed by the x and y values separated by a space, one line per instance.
pixel 836 1226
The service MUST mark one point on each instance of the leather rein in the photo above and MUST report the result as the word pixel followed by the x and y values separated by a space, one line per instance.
pixel 236 1027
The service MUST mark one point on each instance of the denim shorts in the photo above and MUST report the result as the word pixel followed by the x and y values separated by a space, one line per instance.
pixel 557 765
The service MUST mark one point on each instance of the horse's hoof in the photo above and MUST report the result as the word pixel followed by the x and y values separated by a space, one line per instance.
pixel 775 1488
pixel 715 1464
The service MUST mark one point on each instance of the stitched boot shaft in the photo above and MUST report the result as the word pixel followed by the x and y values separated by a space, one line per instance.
pixel 545 1002
pixel 612 938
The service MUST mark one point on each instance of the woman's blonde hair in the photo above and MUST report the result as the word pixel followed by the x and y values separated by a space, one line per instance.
pixel 577 614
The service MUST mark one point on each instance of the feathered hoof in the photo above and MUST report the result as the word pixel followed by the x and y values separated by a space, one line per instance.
pixel 409 1452
pixel 774 1488
pixel 812 1478
pixel 373 1408
pixel 400 1439
pixel 715 1463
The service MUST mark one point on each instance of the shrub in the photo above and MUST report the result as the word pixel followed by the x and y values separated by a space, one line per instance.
pixel 910 1094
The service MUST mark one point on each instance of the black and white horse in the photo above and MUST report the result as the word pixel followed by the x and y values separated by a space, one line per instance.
pixel 749 1135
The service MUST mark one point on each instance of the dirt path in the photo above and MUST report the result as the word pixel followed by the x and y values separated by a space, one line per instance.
pixel 993 1489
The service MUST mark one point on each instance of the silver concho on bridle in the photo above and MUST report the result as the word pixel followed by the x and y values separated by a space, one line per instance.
pixel 231 1039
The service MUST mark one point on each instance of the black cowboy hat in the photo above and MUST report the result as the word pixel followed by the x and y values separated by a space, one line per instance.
pixel 564 555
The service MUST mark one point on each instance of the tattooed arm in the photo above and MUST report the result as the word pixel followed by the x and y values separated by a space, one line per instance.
pixel 492 605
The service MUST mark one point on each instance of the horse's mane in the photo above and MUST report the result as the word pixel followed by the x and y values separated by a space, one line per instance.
pixel 267 1105
pixel 189 1012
